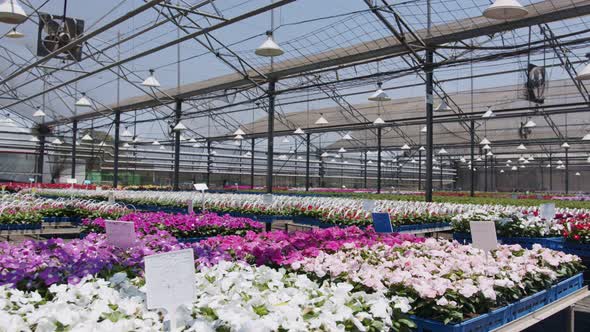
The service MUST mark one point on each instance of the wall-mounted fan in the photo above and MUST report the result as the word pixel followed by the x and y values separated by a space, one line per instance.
pixel 57 31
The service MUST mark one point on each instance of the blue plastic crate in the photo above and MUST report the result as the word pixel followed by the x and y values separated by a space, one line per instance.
pixel 481 323
pixel 306 221
pixel 555 243
pixel 582 250
pixel 192 239
pixel 566 287
pixel 529 304
pixel 462 237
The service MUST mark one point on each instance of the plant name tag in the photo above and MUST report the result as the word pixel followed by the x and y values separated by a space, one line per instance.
pixel 547 211
pixel 483 235
pixel 72 181
pixel 111 198
pixel 267 199
pixel 382 222
pixel 190 207
pixel 120 233
pixel 368 205
pixel 170 279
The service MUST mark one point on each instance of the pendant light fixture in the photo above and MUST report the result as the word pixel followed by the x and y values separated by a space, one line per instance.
pixel 584 74
pixel 586 137
pixel 369 162
pixel 405 147
pixel 192 140
pixel 84 101
pixel 126 145
pixel 298 131
pixel 179 127
pixel 347 137
pixel 11 12
pixel 342 150
pixel 487 147
pixel 321 120
pixel 501 171
pixel 442 151
pixel 578 174
pixel 505 10
pixel 422 148
pixel 239 131
pixel 325 154
pixel 285 140
pixel 378 121
pixel 155 142
pixel 126 133
pixel 565 145
pixel 443 107
pixel 151 81
pixel 269 48
pixel 485 141
pixel 521 147
pixel 87 138
pixel 521 159
pixel 424 129
pixel 57 141
pixel 514 168
pixel 39 113
pixel 34 139
pixel 489 113
pixel 239 137
pixel 162 147
pixel 14 34
pixel 379 94
pixel 530 124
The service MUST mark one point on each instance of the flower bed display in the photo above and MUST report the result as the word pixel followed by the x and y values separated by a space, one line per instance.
pixel 183 226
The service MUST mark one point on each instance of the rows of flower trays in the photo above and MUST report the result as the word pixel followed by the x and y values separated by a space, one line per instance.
pixel 335 279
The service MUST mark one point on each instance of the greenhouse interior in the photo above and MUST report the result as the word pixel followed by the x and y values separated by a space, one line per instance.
pixel 287 165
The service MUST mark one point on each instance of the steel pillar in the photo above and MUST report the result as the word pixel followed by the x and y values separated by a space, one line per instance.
pixel 177 114
pixel 471 171
pixel 567 171
pixel 270 133
pixel 252 165
pixel 429 127
pixel 379 132
pixel 116 157
pixel 419 170
pixel 550 174
pixel 307 151
pixel 74 138
pixel 208 175
pixel 485 173
pixel 41 157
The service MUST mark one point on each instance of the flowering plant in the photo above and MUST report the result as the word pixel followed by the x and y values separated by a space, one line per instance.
pixel 517 224
pixel 182 225
pixel 577 228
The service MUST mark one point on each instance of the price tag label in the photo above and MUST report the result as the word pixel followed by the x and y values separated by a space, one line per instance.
pixel 120 233
pixel 111 198
pixel 368 205
pixel 547 211
pixel 267 199
pixel 170 279
pixel 201 186
pixel 382 223
pixel 483 235
pixel 190 207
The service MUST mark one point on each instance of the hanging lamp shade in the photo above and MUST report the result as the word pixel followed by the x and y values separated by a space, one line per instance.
pixel 239 131
pixel 39 113
pixel 56 141
pixel 559 162
pixel 34 139
pixel 285 140
pixel 126 133
pixel 443 107
pixel 424 129
pixel 526 162
pixel 342 150
pixel 162 147
pixel 487 147
pixel 369 162
pixel 485 141
pixel 84 101
pixel 442 151
pixel 11 12
pixel 126 145
pixel 578 174
pixel 478 158
pixel 413 161
pixel 422 148
pixel 379 94
pixel 586 137
pixel 321 120
pixel 521 158
pixel 463 160
pixel 192 140
pixel 378 121
pixel 151 81
pixel 179 127
pixel 505 10
pixel 530 124
pixel 514 168
pixel 489 113
pixel 521 147
pixel 531 158
pixel 87 138
pixel 548 165
pixel 347 137
pixel 588 160
pixel 565 145
pixel 238 137
pixel 197 145
pixel 14 34
pixel 155 142
pixel 269 47
pixel 325 154
pixel 405 147
pixel 248 154
pixel 501 171
pixel 584 74
pixel 282 157
pixel 299 131
pixel 508 161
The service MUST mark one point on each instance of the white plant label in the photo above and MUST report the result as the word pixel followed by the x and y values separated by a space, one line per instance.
pixel 191 209
pixel 368 205
pixel 120 233
pixel 111 198
pixel 483 235
pixel 547 211
pixel 267 199
pixel 170 281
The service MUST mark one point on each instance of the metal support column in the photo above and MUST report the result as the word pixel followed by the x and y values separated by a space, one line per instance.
pixel 419 169
pixel 441 174
pixel 550 174
pixel 472 172
pixel 208 175
pixel 307 161
pixel 567 171
pixel 379 129
pixel 485 173
pixel 429 127
pixel 365 168
pixel 252 165
pixel 74 138
pixel 41 157
pixel 270 138
pixel 177 113
pixel 116 157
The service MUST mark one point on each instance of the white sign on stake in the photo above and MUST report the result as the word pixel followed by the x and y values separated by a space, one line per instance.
pixel 267 199
pixel 368 205
pixel 111 198
pixel 189 204
pixel 201 187
pixel 170 281
pixel 120 233
pixel 483 235
pixel 72 181
pixel 547 211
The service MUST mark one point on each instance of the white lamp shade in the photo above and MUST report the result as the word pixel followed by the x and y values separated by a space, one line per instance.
pixel 478 159
pixel 87 138
pixel 239 137
pixel 505 10
pixel 285 140
pixel 588 160
pixel 442 151
pixel 378 121
pixel 162 147
pixel 14 34
pixel 39 113
pixel 531 158
pixel 342 150
pixel 151 81
pixel 379 95
pixel 369 162
pixel 514 168
pixel 126 133
pixel 586 137
pixel 299 131
pixel 321 120
pixel 179 127
pixel 443 107
pixel 485 141
pixel 192 140
pixel 501 171
pixel 565 145
pixel 488 114
pixel 584 74
pixel 84 101
pixel 487 147
pixel 155 142
pixel 422 148
pixel 508 161
pixel 347 137
pixel 12 12
pixel 521 147
pixel 126 145
pixel 325 154
pixel 559 162
pixel 248 154
pixel 462 160
pixel 239 131
pixel 57 141
pixel 269 47
pixel 405 147
pixel 34 139
pixel 530 124
pixel 578 174
pixel 424 129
